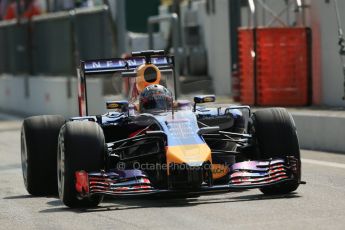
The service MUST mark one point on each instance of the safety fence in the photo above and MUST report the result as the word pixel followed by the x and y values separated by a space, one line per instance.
pixel 53 44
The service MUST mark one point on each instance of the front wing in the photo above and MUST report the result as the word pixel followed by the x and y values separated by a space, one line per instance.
pixel 243 175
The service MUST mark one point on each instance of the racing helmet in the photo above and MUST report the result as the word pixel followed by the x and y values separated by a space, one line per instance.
pixel 155 99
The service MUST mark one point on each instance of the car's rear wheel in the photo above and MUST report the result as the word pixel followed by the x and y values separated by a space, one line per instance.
pixel 39 138
pixel 277 138
pixel 81 147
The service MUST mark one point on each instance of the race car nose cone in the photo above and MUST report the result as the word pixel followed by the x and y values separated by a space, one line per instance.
pixel 192 155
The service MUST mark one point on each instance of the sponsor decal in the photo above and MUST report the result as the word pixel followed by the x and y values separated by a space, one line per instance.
pixel 113 106
pixel 105 64
pixel 123 63
pixel 208 99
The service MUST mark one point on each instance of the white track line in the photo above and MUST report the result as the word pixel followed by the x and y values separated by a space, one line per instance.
pixel 323 163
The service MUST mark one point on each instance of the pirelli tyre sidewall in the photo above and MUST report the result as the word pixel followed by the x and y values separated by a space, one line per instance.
pixel 81 147
pixel 276 136
pixel 39 139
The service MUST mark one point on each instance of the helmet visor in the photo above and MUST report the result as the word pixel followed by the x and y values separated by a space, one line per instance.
pixel 156 103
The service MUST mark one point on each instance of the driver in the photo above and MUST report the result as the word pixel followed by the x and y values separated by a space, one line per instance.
pixel 155 99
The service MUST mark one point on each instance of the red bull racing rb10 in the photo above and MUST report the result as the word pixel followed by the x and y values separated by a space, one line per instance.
pixel 151 143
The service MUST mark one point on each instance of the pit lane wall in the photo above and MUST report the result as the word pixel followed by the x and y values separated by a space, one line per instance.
pixel 320 130
pixel 317 130
pixel 32 95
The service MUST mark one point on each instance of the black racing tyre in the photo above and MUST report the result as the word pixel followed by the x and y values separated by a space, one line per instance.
pixel 81 147
pixel 277 138
pixel 39 138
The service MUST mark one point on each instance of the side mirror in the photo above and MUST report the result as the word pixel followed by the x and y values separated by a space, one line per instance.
pixel 203 99
pixel 119 106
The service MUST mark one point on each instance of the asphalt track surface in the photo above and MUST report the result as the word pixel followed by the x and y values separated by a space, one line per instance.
pixel 320 204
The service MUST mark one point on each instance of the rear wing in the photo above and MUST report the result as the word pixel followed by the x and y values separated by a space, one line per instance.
pixel 108 66
pixel 118 64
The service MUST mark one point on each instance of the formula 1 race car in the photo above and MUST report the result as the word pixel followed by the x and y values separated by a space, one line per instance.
pixel 154 144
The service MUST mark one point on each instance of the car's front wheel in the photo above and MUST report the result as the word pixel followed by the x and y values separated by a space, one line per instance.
pixel 81 147
pixel 277 138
